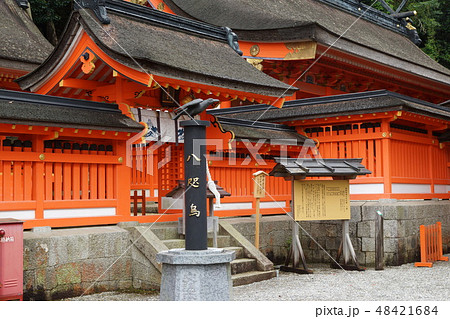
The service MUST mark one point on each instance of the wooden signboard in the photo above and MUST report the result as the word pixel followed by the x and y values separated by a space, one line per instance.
pixel 259 189
pixel 321 200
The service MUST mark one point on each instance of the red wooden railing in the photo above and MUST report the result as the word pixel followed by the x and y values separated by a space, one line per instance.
pixel 144 175
pixel 237 179
pixel 393 156
pixel 61 179
pixel 357 140
pixel 398 159
pixel 235 176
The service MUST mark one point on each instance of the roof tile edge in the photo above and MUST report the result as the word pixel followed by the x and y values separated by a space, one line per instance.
pixel 101 8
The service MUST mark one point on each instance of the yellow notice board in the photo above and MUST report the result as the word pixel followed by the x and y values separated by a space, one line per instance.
pixel 321 200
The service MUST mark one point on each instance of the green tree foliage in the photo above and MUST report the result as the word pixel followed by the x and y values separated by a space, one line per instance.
pixel 432 23
pixel 51 16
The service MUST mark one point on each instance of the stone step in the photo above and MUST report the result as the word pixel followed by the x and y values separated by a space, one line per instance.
pixel 251 277
pixel 165 233
pixel 174 243
pixel 238 250
pixel 241 265
pixel 222 241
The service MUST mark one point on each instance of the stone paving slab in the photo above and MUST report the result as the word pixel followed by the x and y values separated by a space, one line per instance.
pixel 404 282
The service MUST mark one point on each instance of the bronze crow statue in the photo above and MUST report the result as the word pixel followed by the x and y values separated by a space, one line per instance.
pixel 194 107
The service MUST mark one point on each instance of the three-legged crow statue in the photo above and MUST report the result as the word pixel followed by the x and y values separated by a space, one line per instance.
pixel 194 107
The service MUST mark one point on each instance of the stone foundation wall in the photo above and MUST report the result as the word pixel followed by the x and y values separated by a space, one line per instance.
pixel 402 220
pixel 69 262
pixel 401 231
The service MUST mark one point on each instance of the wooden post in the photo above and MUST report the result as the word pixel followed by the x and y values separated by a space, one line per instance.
pixel 135 203
pixel 38 177
pixel 214 221
pixel 196 232
pixel 144 203
pixel 295 251
pixel 122 173
pixel 386 154
pixel 379 242
pixel 345 250
pixel 257 224
pixel 259 191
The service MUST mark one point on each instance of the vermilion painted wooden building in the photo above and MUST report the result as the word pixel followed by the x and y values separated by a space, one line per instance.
pixel 399 138
pixel 337 47
pixel 62 161
pixel 148 62
pixel 330 46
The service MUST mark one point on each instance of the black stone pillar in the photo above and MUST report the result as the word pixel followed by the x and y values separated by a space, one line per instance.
pixel 195 184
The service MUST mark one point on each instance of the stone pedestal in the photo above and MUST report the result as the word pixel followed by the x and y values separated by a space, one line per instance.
pixel 196 274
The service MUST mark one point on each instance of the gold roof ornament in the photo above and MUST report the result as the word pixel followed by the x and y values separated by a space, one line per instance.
pixel 257 63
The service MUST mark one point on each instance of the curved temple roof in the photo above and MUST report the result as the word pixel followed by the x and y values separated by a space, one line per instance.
pixel 296 20
pixel 300 168
pixel 336 105
pixel 162 44
pixel 23 47
pixel 43 110
pixel 254 130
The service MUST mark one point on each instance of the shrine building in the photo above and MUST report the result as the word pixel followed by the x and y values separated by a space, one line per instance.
pixel 103 57
pixel 365 88
pixel 87 130
pixel 357 84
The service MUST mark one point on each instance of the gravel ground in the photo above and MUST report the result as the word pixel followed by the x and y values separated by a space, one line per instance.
pixel 404 282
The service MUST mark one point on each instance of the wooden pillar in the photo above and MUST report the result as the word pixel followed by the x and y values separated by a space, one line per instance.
pixel 119 88
pixel 196 234
pixel 38 178
pixel 345 248
pixel 386 151
pixel 122 180
pixel 430 161
pixel 379 242
pixel 123 176
pixel 257 215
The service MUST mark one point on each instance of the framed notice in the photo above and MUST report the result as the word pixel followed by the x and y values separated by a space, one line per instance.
pixel 321 200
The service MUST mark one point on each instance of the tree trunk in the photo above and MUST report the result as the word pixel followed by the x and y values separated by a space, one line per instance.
pixel 51 33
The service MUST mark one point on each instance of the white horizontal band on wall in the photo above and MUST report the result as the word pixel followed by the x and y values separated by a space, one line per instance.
pixel 147 192
pixel 411 188
pixel 79 212
pixel 233 206
pixel 366 188
pixel 441 189
pixel 18 214
pixel 279 204
pixel 139 192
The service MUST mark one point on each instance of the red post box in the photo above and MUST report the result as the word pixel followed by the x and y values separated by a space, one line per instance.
pixel 11 259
